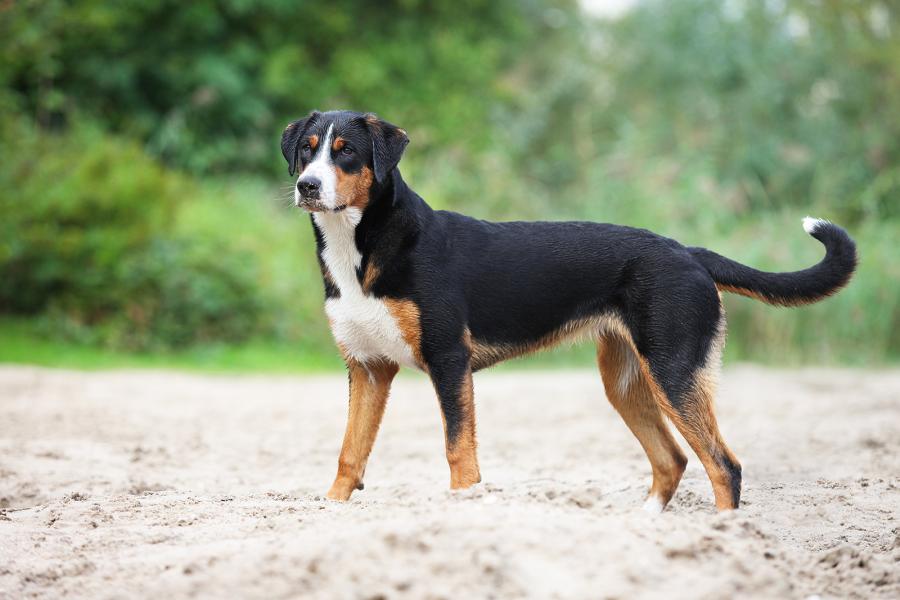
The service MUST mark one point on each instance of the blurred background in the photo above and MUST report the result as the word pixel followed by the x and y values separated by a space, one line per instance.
pixel 145 208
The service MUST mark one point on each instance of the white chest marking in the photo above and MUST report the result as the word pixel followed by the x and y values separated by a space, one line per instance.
pixel 361 324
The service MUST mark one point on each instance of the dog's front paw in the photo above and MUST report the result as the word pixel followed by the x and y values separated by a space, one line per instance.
pixel 342 488
pixel 461 479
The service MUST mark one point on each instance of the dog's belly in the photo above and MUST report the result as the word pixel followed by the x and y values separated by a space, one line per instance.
pixel 365 329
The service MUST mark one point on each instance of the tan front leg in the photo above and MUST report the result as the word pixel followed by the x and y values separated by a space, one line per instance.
pixel 462 453
pixel 369 388
pixel 456 396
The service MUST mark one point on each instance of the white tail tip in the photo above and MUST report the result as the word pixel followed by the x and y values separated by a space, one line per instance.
pixel 810 224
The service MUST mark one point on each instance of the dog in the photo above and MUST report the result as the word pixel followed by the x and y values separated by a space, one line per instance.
pixel 406 285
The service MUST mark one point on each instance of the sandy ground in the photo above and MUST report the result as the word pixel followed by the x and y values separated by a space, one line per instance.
pixel 137 484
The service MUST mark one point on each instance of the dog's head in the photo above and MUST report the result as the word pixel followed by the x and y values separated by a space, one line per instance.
pixel 340 156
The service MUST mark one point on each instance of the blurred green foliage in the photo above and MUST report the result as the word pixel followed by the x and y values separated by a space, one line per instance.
pixel 139 144
pixel 796 106
pixel 87 239
pixel 207 85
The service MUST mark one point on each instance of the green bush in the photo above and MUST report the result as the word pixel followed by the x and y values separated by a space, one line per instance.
pixel 210 85
pixel 87 236
pixel 787 104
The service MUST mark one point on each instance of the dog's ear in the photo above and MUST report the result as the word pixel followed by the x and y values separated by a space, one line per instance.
pixel 291 138
pixel 388 143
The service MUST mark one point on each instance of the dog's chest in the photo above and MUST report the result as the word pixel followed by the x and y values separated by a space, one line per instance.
pixel 361 324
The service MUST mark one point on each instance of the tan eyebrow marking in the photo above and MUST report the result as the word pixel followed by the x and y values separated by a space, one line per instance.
pixel 338 143
pixel 313 141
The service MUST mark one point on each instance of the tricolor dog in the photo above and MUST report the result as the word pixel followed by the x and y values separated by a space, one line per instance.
pixel 438 291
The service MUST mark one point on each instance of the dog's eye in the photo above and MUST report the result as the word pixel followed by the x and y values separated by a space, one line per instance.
pixel 305 147
pixel 346 150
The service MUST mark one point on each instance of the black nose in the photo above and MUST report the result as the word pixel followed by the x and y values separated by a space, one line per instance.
pixel 308 186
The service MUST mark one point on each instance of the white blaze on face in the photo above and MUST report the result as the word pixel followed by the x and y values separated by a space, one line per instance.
pixel 322 168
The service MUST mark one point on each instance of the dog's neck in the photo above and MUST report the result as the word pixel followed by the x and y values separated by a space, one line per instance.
pixel 390 221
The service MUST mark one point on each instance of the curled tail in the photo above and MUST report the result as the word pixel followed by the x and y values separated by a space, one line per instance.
pixel 788 289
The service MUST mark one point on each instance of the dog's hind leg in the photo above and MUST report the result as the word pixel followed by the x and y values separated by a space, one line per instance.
pixel 696 421
pixel 632 395
pixel 369 388
pixel 692 412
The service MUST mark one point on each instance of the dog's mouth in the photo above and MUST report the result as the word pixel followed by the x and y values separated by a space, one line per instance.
pixel 314 205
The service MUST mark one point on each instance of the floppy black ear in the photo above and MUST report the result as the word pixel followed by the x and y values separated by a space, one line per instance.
pixel 291 138
pixel 388 143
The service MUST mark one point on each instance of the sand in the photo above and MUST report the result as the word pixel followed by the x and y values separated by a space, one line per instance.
pixel 158 484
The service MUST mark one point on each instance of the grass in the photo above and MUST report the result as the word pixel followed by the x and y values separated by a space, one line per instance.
pixel 22 343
